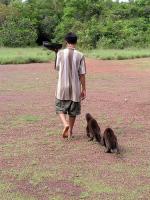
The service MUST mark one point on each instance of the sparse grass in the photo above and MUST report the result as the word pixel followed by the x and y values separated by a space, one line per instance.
pixel 119 120
pixel 15 196
pixel 35 157
pixel 20 85
pixel 57 197
pixel 129 170
pixel 118 130
pixel 137 125
pixel 29 118
pixel 17 148
pixel 93 186
pixel 103 118
pixel 84 195
pixel 50 132
pixel 140 192
pixel 5 186
pixel 7 192
pixel 19 121
pixel 118 54
pixel 25 119
pixel 33 173
pixel 24 55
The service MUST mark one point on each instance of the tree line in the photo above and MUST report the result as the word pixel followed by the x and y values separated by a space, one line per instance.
pixel 98 23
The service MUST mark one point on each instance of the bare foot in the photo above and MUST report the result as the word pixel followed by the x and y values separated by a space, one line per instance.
pixel 70 135
pixel 65 132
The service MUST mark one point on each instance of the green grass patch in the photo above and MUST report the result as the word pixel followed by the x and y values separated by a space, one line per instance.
pixel 40 54
pixel 18 121
pixel 21 120
pixel 93 186
pixel 119 120
pixel 118 54
pixel 29 118
pixel 84 195
pixel 4 187
pixel 137 126
pixel 25 55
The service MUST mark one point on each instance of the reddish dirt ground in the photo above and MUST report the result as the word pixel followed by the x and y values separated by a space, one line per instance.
pixel 36 163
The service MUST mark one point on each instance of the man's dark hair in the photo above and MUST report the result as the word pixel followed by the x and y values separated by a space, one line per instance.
pixel 71 38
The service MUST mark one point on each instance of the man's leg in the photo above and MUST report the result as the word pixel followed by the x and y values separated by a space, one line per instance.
pixel 63 119
pixel 74 110
pixel 65 123
pixel 71 125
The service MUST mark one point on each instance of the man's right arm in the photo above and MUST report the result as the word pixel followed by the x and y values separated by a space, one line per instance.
pixel 82 72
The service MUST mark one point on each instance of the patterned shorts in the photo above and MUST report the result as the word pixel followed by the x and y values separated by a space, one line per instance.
pixel 68 107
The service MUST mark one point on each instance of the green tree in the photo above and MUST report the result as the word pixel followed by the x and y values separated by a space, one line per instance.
pixel 48 14
pixel 18 32
pixel 6 2
pixel 98 23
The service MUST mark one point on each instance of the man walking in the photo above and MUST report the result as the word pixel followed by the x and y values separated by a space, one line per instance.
pixel 71 86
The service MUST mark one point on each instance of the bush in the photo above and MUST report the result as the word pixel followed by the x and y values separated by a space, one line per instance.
pixel 18 32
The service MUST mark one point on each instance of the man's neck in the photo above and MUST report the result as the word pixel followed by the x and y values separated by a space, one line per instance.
pixel 71 46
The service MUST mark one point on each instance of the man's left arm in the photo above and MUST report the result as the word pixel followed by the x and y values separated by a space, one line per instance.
pixel 57 60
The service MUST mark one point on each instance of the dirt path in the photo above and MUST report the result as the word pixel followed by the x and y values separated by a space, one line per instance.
pixel 36 163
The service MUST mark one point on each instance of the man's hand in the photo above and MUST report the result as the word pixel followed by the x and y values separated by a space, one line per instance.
pixel 83 94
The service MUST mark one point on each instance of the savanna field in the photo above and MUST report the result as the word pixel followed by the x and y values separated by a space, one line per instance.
pixel 36 163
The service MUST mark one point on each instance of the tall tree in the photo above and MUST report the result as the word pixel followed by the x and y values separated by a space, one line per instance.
pixel 6 2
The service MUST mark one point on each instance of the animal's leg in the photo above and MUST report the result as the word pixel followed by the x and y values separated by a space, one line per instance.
pixel 87 131
pixel 108 150
pixel 91 139
pixel 117 147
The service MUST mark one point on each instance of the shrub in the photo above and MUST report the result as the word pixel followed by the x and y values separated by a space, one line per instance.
pixel 18 32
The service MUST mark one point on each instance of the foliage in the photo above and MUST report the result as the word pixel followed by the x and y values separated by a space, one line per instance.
pixel 48 14
pixel 18 32
pixel 6 2
pixel 98 23
pixel 5 11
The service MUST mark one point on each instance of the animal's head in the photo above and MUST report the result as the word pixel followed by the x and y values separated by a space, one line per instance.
pixel 88 117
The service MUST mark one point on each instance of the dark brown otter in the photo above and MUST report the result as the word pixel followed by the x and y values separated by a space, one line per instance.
pixel 109 140
pixel 92 128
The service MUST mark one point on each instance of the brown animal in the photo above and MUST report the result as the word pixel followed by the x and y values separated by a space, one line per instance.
pixel 110 141
pixel 92 129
